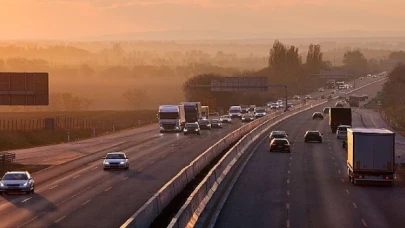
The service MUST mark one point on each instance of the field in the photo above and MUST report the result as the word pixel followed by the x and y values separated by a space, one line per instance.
pixel 27 129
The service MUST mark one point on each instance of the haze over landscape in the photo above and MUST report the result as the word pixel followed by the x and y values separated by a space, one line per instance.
pixel 199 19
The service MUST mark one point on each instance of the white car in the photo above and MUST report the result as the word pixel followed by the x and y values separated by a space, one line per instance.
pixel 341 132
pixel 225 119
pixel 115 160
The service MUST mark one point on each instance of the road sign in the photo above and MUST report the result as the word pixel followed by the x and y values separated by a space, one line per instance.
pixel 238 84
pixel 29 88
pixel 333 74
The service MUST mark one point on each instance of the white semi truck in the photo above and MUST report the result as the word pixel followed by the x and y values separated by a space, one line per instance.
pixel 370 155
pixel 171 118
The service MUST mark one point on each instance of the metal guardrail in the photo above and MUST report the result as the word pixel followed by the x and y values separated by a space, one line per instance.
pixel 6 157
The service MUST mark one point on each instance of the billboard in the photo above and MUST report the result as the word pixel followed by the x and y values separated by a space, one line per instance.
pixel 240 84
pixel 28 88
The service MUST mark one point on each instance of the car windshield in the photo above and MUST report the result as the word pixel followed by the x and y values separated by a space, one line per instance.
pixel 280 142
pixel 115 156
pixel 15 176
pixel 342 128
pixel 204 122
pixel 313 133
pixel 235 111
pixel 260 110
pixel 191 125
pixel 225 117
pixel 214 121
pixel 278 134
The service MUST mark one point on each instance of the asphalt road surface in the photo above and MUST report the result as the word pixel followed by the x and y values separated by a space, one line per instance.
pixel 310 187
pixel 80 194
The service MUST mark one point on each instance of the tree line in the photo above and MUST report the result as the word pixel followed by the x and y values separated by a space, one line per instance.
pixel 285 67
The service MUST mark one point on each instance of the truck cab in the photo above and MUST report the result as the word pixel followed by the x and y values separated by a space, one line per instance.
pixel 171 118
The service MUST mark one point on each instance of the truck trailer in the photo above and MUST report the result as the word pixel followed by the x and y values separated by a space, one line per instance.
pixel 205 112
pixel 370 155
pixel 192 111
pixel 354 101
pixel 339 116
pixel 171 118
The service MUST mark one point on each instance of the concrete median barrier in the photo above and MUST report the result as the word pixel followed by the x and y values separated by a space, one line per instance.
pixel 154 206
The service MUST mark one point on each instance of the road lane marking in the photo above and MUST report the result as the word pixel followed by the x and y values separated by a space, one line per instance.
pixel 75 177
pixel 164 155
pixel 153 161
pixel 364 222
pixel 290 157
pixel 289 164
pixel 333 158
pixel 289 171
pixel 125 178
pixel 288 192
pixel 288 223
pixel 347 191
pixel 94 168
pixel 287 206
pixel 140 169
pixel 343 180
pixel 55 186
pixel 288 181
pixel 137 149
pixel 339 171
pixel 108 189
pixel 60 219
pixel 26 199
pixel 354 205
pixel 88 201
pixel 147 145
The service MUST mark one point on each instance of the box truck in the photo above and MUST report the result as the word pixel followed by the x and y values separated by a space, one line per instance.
pixel 339 116
pixel 171 118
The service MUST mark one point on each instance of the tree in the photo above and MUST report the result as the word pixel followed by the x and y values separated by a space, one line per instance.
pixel 86 70
pixel 277 56
pixel 314 58
pixel 355 62
pixel 393 100
pixel 374 65
pixel 136 97
pixel 397 56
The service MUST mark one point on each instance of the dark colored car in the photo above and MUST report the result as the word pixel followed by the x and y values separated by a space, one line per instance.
pixel 313 136
pixel 339 104
pixel 278 135
pixel 317 115
pixel 248 117
pixel 216 123
pixel 191 128
pixel 279 144
pixel 205 124
pixel 326 110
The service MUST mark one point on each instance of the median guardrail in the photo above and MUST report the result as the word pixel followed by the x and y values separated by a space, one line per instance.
pixel 6 157
pixel 187 214
pixel 154 206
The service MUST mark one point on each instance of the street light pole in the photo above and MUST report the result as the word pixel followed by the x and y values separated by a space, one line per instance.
pixel 286 98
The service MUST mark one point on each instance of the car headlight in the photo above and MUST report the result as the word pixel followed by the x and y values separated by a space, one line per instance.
pixel 1 184
pixel 26 183
pixel 121 163
pixel 185 129
pixel 106 162
pixel 195 129
pixel 243 118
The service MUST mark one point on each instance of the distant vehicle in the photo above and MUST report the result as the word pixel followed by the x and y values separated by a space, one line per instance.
pixel 171 118
pixel 313 136
pixel 374 76
pixel 205 112
pixel 192 111
pixel 252 108
pixel 339 116
pixel 115 160
pixel 192 128
pixel 321 90
pixel 225 119
pixel 326 110
pixel 361 78
pixel 342 95
pixel 368 75
pixel 17 181
pixel 365 96
pixel 204 124
pixel 248 117
pixel 330 84
pixel 296 97
pixel 289 105
pixel 317 115
pixel 371 155
pixel 280 144
pixel 308 97
pixel 216 123
pixel 354 101
pixel 341 132
pixel 260 112
pixel 274 106
pixel 278 135
pixel 235 111
pixel 245 109
pixel 339 104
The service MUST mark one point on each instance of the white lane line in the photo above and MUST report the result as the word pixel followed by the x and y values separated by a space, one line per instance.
pixel 124 178
pixel 354 205
pixel 288 223
pixel 287 206
pixel 147 145
pixel 26 199
pixel 335 163
pixel 88 201
pixel 140 169
pixel 55 186
pixel 288 181
pixel 339 171
pixel 289 171
pixel 364 222
pixel 347 191
pixel 153 161
pixel 60 219
pixel 137 149
pixel 75 177
pixel 343 180
pixel 288 192
pixel 164 155
pixel 108 189
pixel 333 158
pixel 94 168
pixel 290 157
pixel 289 164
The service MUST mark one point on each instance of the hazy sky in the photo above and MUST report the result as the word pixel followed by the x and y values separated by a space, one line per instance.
pixel 27 19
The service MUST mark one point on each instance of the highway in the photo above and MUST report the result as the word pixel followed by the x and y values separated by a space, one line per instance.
pixel 79 193
pixel 310 187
